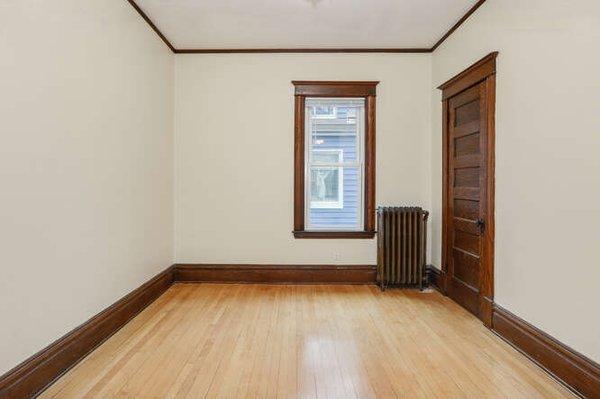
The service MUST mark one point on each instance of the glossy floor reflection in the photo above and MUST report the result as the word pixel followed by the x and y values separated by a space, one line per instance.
pixel 278 341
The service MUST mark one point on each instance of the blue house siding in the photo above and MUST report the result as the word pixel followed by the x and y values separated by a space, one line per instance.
pixel 347 216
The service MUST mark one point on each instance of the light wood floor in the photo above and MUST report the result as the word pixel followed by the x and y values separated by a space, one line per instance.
pixel 278 341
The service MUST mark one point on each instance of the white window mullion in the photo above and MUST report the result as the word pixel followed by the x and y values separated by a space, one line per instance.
pixel 327 138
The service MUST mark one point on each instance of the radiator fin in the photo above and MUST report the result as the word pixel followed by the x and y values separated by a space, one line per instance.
pixel 401 246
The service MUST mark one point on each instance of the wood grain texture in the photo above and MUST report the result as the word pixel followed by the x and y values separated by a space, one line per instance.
pixel 445 157
pixel 291 274
pixel 334 234
pixel 470 76
pixel 370 162
pixel 42 368
pixel 574 369
pixel 468 131
pixel 486 276
pixel 312 88
pixel 268 341
pixel 299 106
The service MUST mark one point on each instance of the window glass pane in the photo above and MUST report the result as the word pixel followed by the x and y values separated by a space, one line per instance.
pixel 347 145
pixel 335 198
pixel 334 131
pixel 325 186
pixel 340 130
pixel 327 156
pixel 323 111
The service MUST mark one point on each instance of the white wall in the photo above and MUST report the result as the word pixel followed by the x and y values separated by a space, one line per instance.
pixel 548 167
pixel 86 114
pixel 85 164
pixel 234 152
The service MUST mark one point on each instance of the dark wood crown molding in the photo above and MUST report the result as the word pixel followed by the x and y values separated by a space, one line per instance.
pixel 154 28
pixel 457 25
pixel 406 50
pixel 301 50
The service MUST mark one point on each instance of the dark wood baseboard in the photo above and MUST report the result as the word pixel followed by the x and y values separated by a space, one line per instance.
pixel 435 277
pixel 40 370
pixel 276 274
pixel 463 294
pixel 576 371
pixel 28 379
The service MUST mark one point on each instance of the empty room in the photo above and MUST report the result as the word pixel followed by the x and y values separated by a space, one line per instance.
pixel 299 199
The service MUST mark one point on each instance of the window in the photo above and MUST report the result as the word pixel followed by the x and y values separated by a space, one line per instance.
pixel 334 179
pixel 323 112
pixel 326 179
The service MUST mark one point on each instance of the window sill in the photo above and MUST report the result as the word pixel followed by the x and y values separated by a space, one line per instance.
pixel 334 234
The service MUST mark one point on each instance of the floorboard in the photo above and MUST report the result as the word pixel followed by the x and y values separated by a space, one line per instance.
pixel 304 341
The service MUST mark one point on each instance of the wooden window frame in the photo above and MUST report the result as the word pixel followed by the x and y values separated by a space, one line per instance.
pixel 363 89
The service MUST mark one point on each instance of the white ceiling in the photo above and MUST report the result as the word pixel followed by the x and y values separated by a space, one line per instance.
pixel 227 24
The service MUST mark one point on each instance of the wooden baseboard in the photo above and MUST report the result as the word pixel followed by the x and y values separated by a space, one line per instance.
pixel 435 278
pixel 276 274
pixel 576 371
pixel 29 378
pixel 40 370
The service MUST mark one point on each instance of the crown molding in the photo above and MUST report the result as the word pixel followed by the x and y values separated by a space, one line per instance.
pixel 458 24
pixel 302 50
pixel 407 50
pixel 154 27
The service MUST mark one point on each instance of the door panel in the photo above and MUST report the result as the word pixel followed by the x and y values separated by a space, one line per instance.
pixel 468 101
pixel 467 112
pixel 466 145
pixel 466 267
pixel 466 209
pixel 466 242
pixel 467 177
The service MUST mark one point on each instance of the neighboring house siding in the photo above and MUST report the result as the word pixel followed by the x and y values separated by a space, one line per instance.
pixel 346 216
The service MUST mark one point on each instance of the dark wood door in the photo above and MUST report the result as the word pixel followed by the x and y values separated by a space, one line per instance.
pixel 466 194
pixel 468 212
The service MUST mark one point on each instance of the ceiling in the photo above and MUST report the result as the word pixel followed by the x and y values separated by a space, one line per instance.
pixel 294 24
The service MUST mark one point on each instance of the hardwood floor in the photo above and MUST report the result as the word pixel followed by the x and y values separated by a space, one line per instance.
pixel 286 341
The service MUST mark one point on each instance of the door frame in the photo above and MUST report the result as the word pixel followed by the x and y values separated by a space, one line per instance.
pixel 481 72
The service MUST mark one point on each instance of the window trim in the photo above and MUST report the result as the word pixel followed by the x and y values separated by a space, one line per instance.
pixel 362 89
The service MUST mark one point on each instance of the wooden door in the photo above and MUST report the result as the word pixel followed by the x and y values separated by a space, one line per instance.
pixel 468 212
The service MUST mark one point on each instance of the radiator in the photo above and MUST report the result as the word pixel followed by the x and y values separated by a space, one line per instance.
pixel 401 246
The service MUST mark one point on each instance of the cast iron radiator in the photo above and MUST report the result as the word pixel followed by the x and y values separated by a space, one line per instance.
pixel 401 246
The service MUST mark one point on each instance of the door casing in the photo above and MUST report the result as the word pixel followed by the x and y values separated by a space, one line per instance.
pixel 482 72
